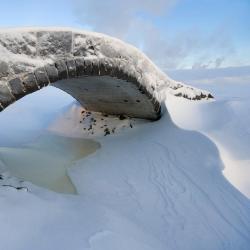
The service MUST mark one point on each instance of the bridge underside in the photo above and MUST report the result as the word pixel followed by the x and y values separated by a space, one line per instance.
pixel 99 85
pixel 102 73
pixel 110 95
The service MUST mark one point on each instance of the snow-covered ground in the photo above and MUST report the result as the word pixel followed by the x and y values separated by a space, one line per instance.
pixel 226 122
pixel 152 185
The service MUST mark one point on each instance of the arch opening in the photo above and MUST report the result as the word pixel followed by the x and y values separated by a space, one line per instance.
pixel 97 85
pixel 36 57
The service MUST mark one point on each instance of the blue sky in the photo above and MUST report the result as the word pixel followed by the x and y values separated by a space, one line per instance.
pixel 176 34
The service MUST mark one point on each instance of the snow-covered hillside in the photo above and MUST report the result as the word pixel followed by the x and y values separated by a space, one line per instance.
pixel 155 185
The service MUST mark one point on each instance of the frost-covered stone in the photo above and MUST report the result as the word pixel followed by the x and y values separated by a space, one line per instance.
pixel 62 69
pixel 17 88
pixel 41 77
pixel 30 83
pixel 23 43
pixel 53 54
pixel 57 43
pixel 71 66
pixel 52 73
pixel 79 66
pixel 85 45
pixel 5 95
pixel 4 69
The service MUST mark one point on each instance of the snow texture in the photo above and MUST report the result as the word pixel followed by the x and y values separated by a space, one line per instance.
pixel 158 185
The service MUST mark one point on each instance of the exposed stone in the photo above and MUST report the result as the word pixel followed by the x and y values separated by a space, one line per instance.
pixel 105 66
pixel 17 88
pixel 18 68
pixel 41 77
pixel 115 70
pixel 88 66
pixel 110 95
pixel 157 107
pixel 5 95
pixel 29 81
pixel 80 66
pixel 106 131
pixel 122 117
pixel 95 67
pixel 120 72
pixel 71 66
pixel 52 73
pixel 62 69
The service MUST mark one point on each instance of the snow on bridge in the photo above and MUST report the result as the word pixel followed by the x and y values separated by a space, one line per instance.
pixel 104 74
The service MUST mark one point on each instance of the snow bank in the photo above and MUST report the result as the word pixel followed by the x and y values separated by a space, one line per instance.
pixel 226 122
pixel 153 186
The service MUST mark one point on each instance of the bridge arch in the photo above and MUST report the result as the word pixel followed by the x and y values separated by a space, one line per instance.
pixel 102 85
pixel 103 73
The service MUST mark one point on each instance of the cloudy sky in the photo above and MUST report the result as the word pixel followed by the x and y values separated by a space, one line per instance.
pixel 175 34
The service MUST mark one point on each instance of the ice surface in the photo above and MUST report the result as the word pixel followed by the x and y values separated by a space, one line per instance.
pixel 46 160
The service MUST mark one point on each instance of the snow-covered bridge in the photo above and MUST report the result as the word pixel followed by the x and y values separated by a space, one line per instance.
pixel 103 73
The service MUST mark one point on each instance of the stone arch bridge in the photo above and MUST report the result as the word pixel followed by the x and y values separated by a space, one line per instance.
pixel 102 73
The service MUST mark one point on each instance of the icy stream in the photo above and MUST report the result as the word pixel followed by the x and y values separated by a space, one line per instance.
pixel 45 161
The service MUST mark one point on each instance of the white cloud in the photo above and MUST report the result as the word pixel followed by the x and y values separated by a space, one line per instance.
pixel 240 75
pixel 132 21
pixel 116 17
